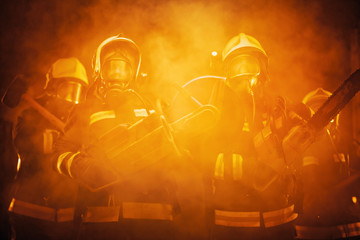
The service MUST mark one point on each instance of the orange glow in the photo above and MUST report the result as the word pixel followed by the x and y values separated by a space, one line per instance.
pixel 11 206
pixel 18 163
pixel 253 81
pixel 177 40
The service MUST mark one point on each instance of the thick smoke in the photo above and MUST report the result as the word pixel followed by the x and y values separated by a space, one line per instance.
pixel 306 41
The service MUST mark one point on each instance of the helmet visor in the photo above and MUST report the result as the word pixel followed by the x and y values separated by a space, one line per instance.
pixel 117 72
pixel 242 73
pixel 243 65
pixel 70 91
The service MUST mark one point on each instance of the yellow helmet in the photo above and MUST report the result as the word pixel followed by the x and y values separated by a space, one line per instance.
pixel 244 59
pixel 67 80
pixel 316 98
pixel 244 43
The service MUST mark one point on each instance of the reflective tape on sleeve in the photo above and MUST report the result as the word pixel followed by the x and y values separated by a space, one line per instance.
pixel 60 160
pixel 237 166
pixel 48 141
pixel 98 116
pixel 219 167
pixel 310 160
pixel 69 162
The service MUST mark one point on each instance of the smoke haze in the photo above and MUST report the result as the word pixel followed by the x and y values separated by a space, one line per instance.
pixel 307 41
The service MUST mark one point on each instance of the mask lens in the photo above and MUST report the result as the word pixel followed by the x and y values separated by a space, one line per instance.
pixel 70 91
pixel 243 65
pixel 116 72
pixel 242 73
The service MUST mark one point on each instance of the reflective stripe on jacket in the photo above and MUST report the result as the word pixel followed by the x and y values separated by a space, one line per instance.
pixel 330 232
pixel 41 212
pixel 237 168
pixel 252 219
pixel 130 210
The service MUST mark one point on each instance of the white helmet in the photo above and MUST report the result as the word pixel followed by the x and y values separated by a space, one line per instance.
pixel 116 65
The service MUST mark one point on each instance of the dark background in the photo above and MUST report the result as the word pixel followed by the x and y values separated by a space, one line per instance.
pixel 310 43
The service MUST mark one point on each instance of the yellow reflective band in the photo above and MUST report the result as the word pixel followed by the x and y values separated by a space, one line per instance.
pixel 48 141
pixel 157 211
pixel 65 214
pixel 69 162
pixel 11 206
pixel 101 115
pixel 41 212
pixel 246 127
pixel 352 229
pixel 328 232
pixel 141 112
pixel 18 165
pixel 278 217
pixel 339 157
pixel 130 210
pixel 259 139
pixel 219 167
pixel 252 219
pixel 237 166
pixel 102 214
pixel 310 160
pixel 278 123
pixel 60 161
pixel 32 210
pixel 237 219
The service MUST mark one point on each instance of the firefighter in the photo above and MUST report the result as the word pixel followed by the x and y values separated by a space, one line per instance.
pixel 249 185
pixel 330 208
pixel 109 149
pixel 42 205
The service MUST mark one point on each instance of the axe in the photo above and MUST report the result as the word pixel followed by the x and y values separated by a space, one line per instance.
pixel 17 92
